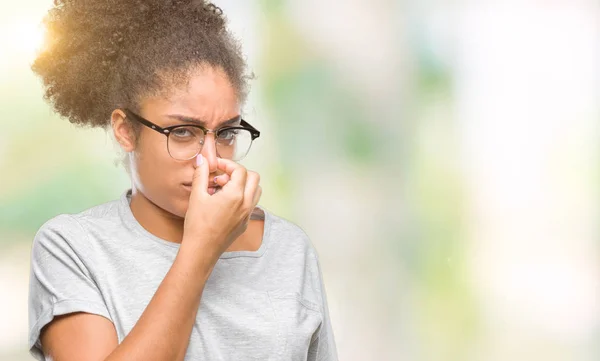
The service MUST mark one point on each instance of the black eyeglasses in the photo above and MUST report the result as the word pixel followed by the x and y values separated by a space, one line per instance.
pixel 185 141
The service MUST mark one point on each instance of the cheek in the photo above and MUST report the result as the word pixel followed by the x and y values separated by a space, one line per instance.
pixel 155 168
pixel 160 177
pixel 153 162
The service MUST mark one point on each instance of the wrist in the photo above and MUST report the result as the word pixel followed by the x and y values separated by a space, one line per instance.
pixel 197 256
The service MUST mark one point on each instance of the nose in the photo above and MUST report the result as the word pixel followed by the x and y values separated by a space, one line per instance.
pixel 209 152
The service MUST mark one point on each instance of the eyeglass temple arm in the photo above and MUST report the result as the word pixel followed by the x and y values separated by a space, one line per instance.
pixel 255 132
pixel 146 122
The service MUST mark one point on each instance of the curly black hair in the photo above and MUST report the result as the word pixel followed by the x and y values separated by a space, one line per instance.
pixel 101 55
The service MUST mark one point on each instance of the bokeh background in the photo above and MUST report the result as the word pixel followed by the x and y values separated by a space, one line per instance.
pixel 442 155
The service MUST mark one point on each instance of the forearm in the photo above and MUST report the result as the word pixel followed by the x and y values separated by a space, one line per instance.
pixel 164 328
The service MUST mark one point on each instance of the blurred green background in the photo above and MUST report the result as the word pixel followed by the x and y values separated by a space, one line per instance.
pixel 442 156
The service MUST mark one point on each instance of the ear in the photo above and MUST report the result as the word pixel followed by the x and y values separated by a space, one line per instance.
pixel 122 130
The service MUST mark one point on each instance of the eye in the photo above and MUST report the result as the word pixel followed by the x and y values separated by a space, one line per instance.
pixel 228 134
pixel 183 133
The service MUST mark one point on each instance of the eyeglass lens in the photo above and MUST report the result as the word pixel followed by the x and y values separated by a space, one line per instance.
pixel 186 142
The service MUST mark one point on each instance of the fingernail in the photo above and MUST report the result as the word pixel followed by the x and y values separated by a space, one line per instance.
pixel 199 160
pixel 215 180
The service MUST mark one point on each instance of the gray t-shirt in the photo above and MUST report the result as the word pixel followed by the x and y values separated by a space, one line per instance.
pixel 268 304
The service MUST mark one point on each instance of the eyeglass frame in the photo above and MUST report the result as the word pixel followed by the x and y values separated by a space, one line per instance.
pixel 166 131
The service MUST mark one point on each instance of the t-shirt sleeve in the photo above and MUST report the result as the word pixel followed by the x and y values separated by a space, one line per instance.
pixel 59 280
pixel 322 346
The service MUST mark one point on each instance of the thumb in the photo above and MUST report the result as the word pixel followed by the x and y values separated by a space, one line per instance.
pixel 200 178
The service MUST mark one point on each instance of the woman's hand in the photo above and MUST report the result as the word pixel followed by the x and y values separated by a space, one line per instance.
pixel 221 180
pixel 214 222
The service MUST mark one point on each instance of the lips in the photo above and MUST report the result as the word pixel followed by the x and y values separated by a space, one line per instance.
pixel 190 185
pixel 211 190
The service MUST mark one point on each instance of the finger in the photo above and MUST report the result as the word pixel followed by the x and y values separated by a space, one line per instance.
pixel 252 181
pixel 257 195
pixel 221 179
pixel 227 165
pixel 237 177
pixel 200 178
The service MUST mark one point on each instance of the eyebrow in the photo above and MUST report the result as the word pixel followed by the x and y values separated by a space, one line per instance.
pixel 201 123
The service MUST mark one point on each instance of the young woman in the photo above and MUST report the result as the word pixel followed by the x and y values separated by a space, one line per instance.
pixel 184 265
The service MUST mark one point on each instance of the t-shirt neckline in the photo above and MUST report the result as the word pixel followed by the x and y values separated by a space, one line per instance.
pixel 130 220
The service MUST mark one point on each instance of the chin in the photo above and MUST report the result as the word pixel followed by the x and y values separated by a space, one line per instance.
pixel 180 206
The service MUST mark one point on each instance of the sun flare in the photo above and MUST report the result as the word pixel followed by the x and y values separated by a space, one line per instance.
pixel 20 39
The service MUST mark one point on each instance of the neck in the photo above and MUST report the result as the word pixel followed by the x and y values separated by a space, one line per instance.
pixel 156 220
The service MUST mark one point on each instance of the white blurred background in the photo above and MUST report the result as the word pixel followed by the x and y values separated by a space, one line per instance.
pixel 443 157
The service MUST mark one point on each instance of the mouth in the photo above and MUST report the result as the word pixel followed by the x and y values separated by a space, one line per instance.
pixel 211 190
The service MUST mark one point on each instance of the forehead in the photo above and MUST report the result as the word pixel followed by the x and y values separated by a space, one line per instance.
pixel 208 84
pixel 206 93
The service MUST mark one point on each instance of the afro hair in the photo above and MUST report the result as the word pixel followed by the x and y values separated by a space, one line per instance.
pixel 101 55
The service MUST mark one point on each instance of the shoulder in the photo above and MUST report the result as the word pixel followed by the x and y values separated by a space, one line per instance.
pixel 72 229
pixel 289 235
pixel 61 227
pixel 294 247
